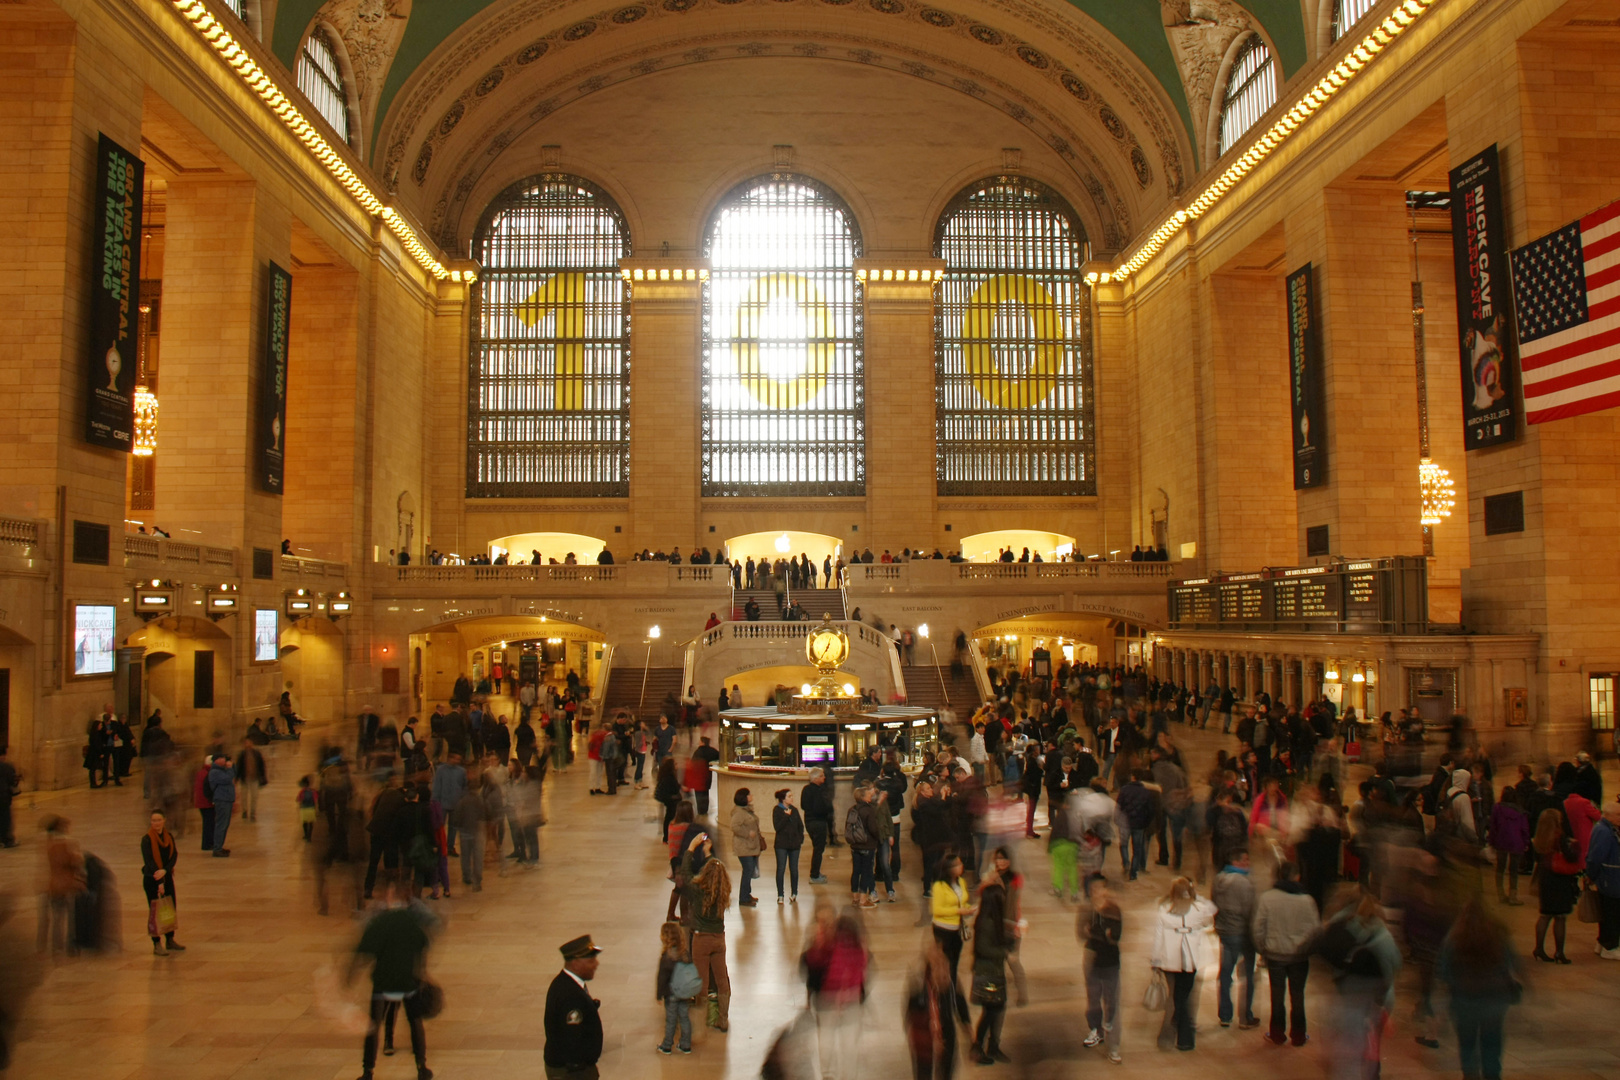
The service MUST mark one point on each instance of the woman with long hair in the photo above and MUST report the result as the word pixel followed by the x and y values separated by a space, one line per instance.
pixel 708 894
pixel 159 853
pixel 1184 920
pixel 992 943
pixel 667 790
pixel 932 1003
pixel 949 905
pixel 1478 965
pixel 674 951
pixel 680 835
pixel 1556 872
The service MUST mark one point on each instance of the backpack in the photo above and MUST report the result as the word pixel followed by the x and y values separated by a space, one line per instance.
pixel 854 828
pixel 1348 954
pixel 611 748
pixel 684 982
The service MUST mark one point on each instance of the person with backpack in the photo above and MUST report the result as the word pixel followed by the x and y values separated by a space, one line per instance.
pixel 1365 960
pixel 1455 815
pixel 678 985
pixel 862 835
pixel 1286 923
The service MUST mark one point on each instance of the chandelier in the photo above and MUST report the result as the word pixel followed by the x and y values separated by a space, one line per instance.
pixel 146 410
pixel 1437 491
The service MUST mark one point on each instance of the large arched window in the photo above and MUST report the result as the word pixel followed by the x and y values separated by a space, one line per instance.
pixel 1251 89
pixel 548 404
pixel 321 79
pixel 1013 333
pixel 783 400
pixel 1346 13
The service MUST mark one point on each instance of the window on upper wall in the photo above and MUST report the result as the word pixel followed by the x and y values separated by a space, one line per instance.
pixel 1013 339
pixel 548 404
pixel 321 80
pixel 1346 13
pixel 1251 89
pixel 1601 688
pixel 238 8
pixel 783 399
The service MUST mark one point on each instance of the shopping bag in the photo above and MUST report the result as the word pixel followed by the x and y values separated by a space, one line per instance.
pixel 1590 909
pixel 1157 993
pixel 161 919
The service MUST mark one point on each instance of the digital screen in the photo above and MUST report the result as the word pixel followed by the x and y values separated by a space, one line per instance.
pixel 265 635
pixel 816 755
pixel 94 630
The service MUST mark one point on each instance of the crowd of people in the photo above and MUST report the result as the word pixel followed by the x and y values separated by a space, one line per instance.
pixel 1282 852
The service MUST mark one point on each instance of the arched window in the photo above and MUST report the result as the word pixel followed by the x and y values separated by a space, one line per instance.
pixel 783 400
pixel 1251 89
pixel 1013 339
pixel 548 403
pixel 321 80
pixel 1346 13
pixel 238 8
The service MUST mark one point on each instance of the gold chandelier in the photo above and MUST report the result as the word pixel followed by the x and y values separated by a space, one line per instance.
pixel 1437 491
pixel 146 411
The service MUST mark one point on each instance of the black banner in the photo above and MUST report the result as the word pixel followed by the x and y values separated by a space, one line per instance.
pixel 115 286
pixel 1490 408
pixel 273 382
pixel 1305 382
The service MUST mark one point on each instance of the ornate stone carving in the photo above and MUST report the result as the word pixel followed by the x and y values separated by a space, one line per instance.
pixel 1200 31
pixel 371 31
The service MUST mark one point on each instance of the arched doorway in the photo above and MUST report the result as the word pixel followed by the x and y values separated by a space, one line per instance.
pixel 312 668
pixel 188 675
pixel 987 546
pixel 552 546
pixel 784 544
pixel 1073 636
pixel 526 647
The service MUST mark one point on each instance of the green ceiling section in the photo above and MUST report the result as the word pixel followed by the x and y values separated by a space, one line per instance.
pixel 1138 24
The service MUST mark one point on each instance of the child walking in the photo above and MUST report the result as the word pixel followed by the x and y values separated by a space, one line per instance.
pixel 678 983
pixel 306 802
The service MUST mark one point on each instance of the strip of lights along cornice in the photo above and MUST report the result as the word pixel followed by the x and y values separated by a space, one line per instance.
pixel 263 84
pixel 1375 42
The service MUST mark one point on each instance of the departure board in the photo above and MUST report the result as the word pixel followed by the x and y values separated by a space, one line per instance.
pixel 1371 596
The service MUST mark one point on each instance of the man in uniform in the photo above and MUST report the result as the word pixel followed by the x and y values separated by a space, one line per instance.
pixel 573 1017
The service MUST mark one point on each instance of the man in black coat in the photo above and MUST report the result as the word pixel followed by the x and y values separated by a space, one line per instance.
pixel 573 1018
pixel 816 800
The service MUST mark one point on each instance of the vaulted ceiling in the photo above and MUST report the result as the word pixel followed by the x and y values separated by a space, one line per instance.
pixel 1120 89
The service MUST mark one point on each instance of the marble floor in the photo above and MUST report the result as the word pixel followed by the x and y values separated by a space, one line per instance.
pixel 243 1002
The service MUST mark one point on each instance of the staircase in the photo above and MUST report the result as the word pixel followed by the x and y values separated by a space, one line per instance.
pixel 814 602
pixel 624 690
pixel 923 689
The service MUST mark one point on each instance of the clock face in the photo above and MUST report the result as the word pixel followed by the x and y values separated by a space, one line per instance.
pixel 826 648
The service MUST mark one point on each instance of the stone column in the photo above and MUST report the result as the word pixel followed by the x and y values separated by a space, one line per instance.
pixel 901 487
pixel 666 396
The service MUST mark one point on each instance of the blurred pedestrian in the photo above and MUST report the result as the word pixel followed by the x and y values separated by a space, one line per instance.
pixel 1603 874
pixel 1478 966
pixel 992 938
pixel 837 963
pixel 1100 928
pixel 934 1006
pixel 63 881
pixel 395 940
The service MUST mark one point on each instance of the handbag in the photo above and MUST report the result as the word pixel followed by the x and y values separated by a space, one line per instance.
pixel 1590 908
pixel 162 920
pixel 430 998
pixel 1157 992
pixel 989 986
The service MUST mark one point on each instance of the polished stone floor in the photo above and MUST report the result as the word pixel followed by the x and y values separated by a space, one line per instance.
pixel 242 1002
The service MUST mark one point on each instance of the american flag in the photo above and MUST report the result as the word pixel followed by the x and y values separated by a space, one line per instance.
pixel 1567 289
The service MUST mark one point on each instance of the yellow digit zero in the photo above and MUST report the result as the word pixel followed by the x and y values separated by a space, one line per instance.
pixel 1013 389
pixel 810 329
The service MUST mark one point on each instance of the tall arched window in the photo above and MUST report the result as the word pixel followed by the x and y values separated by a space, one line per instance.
pixel 1013 334
pixel 1346 13
pixel 548 403
pixel 321 80
pixel 238 7
pixel 783 399
pixel 1251 89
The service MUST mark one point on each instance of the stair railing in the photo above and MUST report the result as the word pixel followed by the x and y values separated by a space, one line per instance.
pixel 981 674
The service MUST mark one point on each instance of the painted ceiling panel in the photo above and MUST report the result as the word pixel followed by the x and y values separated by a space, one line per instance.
pixel 1137 24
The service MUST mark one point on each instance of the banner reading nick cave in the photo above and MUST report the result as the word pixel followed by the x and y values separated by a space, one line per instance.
pixel 115 285
pixel 1479 246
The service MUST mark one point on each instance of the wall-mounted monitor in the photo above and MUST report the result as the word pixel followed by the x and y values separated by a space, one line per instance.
pixel 266 635
pixel 95 630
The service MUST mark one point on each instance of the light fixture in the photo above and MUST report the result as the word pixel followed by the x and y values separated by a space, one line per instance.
pixel 154 599
pixel 856 727
pixel 1437 490
pixel 654 633
pixel 299 604
pixel 1331 672
pixel 919 723
pixel 1358 677
pixel 339 605
pixel 922 631
pixel 146 412
pixel 783 543
pixel 779 727
pixel 849 689
pixel 805 689
pixel 220 601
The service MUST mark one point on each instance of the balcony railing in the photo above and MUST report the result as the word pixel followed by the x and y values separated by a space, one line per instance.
pixel 20 546
pixel 774 630
pixel 941 573
pixel 153 551
pixel 463 573
pixel 300 567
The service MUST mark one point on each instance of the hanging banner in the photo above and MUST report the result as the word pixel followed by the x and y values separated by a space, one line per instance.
pixel 1305 382
pixel 273 382
pixel 115 285
pixel 1478 243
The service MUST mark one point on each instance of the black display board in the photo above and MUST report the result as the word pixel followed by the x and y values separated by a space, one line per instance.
pixel 1350 596
pixel 115 288
pixel 1305 382
pixel 273 383
pixel 1490 400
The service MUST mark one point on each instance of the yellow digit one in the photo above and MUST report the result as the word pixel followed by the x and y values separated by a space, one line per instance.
pixel 563 298
pixel 810 326
pixel 1012 389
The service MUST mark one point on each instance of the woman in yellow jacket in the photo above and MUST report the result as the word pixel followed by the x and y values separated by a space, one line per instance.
pixel 951 909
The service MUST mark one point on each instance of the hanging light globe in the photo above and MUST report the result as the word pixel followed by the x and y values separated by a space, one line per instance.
pixel 1437 491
